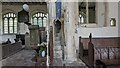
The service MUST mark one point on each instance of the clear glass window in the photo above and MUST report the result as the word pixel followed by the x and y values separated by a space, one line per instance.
pixel 9 23
pixel 39 18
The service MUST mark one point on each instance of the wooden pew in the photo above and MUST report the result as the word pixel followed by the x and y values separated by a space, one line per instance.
pixel 10 49
pixel 86 54
pixel 103 55
pixel 108 55
pixel 80 48
pixel 90 51
pixel 82 51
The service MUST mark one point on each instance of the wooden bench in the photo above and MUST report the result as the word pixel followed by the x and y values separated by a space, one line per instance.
pixel 107 55
pixel 103 54
pixel 86 54
pixel 10 49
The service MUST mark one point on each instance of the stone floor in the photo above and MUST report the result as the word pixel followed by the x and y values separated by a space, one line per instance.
pixel 22 58
pixel 66 63
pixel 77 64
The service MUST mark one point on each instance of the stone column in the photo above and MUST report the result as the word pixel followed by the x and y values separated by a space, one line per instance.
pixel 51 18
pixel 70 40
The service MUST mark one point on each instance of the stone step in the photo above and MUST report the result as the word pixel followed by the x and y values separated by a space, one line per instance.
pixel 57 62
pixel 58 54
pixel 57 43
pixel 57 38
pixel 57 48
pixel 57 34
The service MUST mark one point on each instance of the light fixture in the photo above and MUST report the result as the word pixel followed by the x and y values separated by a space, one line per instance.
pixel 25 7
pixel 112 22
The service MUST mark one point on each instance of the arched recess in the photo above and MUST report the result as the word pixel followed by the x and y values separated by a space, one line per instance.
pixel 57 25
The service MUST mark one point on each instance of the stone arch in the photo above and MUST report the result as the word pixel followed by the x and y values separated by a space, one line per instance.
pixel 57 25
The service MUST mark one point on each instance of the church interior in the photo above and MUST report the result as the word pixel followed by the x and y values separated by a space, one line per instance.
pixel 80 33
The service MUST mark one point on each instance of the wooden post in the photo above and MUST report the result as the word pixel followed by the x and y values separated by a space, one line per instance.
pixel 90 51
pixel 80 48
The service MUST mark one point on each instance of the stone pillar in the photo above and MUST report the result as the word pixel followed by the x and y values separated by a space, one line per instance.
pixel 51 18
pixel 70 27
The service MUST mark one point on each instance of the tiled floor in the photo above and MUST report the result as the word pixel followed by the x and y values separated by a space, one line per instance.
pixel 22 58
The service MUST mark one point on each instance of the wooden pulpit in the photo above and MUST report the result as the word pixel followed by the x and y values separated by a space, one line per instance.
pixel 34 36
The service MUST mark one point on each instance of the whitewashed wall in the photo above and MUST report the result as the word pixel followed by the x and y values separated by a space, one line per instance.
pixel 5 37
pixel 119 19
pixel 103 31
